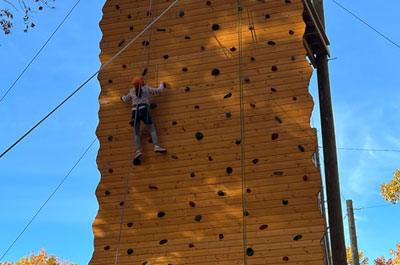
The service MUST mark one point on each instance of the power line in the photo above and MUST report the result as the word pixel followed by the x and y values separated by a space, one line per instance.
pixel 39 51
pixel 368 25
pixel 365 149
pixel 48 199
pixel 376 206
pixel 90 78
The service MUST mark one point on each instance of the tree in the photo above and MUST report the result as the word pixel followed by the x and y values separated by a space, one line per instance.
pixel 360 255
pixel 391 191
pixel 395 260
pixel 40 259
pixel 29 9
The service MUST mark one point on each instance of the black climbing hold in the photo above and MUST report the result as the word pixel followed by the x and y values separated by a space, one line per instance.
pixel 291 32
pixel 161 214
pixel 305 177
pixel 165 57
pixel 215 27
pixel 161 30
pixel 117 6
pixel 285 202
pixel 202 48
pixel 196 106
pixel 124 66
pixel 152 187
pixel 144 72
pixel 263 227
pixel 129 251
pixel 129 16
pixel 110 81
pixel 215 71
pixel 153 105
pixel 184 69
pixel 144 263
pixel 148 13
pixel 233 49
pixel 111 171
pixel 221 193
pixel 107 192
pixel 294 98
pixel 274 136
pixel 164 241
pixel 293 58
pixel 131 28
pixel 110 138
pixel 250 27
pixel 228 115
pixel 174 123
pixel 252 105
pixel 288 1
pixel 245 213
pixel 120 43
pixel 261 1
pixel 198 218
pixel 107 248
pixel 210 158
pixel 145 43
pixel 278 119
pixel 228 95
pixel 301 148
pixel 187 37
pixel 248 190
pixel 278 173
pixel 272 43
pixel 187 89
pixel 249 252
pixel 181 13
pixel 121 203
pixel 246 79
pixel 240 9
pixel 192 175
pixel 129 224
pixel 285 258
pixel 192 204
pixel 191 245
pixel 174 157
pixel 267 16
pixel 238 141
pixel 298 237
pixel 199 136
pixel 208 3
pixel 221 236
pixel 255 161
pixel 252 59
pixel 274 89
pixel 274 68
pixel 229 170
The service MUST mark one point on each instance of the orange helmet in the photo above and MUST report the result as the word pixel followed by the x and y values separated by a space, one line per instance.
pixel 138 81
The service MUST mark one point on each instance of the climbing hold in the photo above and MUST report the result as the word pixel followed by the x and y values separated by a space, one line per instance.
pixel 272 43
pixel 196 106
pixel 129 16
pixel 117 6
pixel 229 170
pixel 215 71
pixel 245 213
pixel 228 95
pixel 145 43
pixel 249 252
pixel 240 9
pixel 129 251
pixel 278 119
pixel 246 79
pixel 208 3
pixel 301 148
pixel 110 81
pixel 298 237
pixel 144 263
pixel 174 157
pixel 161 30
pixel 305 177
pixel 274 89
pixel 233 49
pixel 148 13
pixel 274 68
pixel 294 98
pixel 120 43
pixel 153 105
pixel 192 175
pixel 198 218
pixel 221 193
pixel 199 136
pixel 288 1
pixel 248 190
pixel 285 202
pixel 152 187
pixel 228 115
pixel 165 57
pixel 131 28
pixel 252 59
pixel 291 32
pixel 202 48
pixel 174 123
pixel 210 158
pixel 261 1
pixel 161 214
pixel 184 69
pixel 192 204
pixel 267 16
pixel 129 224
pixel 107 248
pixel 250 27
pixel 191 245
pixel 164 241
pixel 111 171
pixel 124 66
pixel 293 58
pixel 274 136
pixel 263 227
pixel 278 173
pixel 255 161
pixel 187 89
pixel 221 236
pixel 181 13
pixel 285 258
pixel 252 105
pixel 215 27
pixel 107 192
pixel 121 203
pixel 110 138
pixel 187 37
pixel 238 141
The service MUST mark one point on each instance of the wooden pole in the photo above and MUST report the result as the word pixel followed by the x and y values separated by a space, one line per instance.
pixel 330 156
pixel 353 234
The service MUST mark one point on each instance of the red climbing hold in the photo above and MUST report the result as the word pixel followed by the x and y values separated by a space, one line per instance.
pixel 184 69
pixel 107 248
pixel 129 224
pixel 124 66
pixel 117 6
pixel 263 227
pixel 152 187
pixel 191 245
pixel 274 68
pixel 208 3
pixel 274 136
pixel 305 177
pixel 291 32
pixel 233 49
pixel 192 204
pixel 248 190
pixel 111 171
pixel 285 258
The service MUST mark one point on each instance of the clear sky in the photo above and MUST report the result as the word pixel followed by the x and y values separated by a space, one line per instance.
pixel 365 91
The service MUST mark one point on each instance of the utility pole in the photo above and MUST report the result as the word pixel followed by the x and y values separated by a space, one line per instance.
pixel 353 234
pixel 330 156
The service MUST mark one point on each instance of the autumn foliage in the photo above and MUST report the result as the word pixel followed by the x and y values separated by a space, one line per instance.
pixel 391 191
pixel 363 261
pixel 395 260
pixel 40 259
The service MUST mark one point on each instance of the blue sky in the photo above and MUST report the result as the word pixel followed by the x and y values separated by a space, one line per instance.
pixel 365 93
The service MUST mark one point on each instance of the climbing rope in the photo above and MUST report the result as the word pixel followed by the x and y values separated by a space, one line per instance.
pixel 144 68
pixel 242 146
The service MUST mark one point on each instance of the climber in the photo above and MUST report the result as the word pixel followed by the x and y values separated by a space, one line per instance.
pixel 139 95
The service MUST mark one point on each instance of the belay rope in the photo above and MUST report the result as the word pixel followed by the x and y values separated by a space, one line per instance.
pixel 147 40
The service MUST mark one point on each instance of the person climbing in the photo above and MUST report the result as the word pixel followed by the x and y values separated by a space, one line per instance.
pixel 139 95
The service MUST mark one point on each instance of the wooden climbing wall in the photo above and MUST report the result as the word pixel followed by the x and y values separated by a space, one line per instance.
pixel 187 206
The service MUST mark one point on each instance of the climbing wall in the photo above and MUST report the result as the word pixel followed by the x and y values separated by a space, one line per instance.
pixel 237 185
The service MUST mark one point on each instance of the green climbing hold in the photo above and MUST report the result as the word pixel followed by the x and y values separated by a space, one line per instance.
pixel 153 105
pixel 273 89
pixel 285 202
pixel 278 173
pixel 293 58
pixel 272 43
pixel 198 218
pixel 192 175
pixel 161 214
pixel 255 161
pixel 110 138
pixel 221 193
pixel 144 263
pixel 301 148
pixel 221 236
pixel 228 115
pixel 136 162
pixel 199 136
pixel 278 119
pixel 164 241
pixel 129 251
pixel 181 13
pixel 215 27
pixel 130 27
pixel 121 42
pixel 249 252
pixel 107 192
pixel 240 9
pixel 298 237
pixel 288 1
pixel 187 89
pixel 267 16
pixel 174 157
pixel 238 141
pixel 229 170
pixel 228 95
pixel 246 79
pixel 245 213
pixel 252 59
